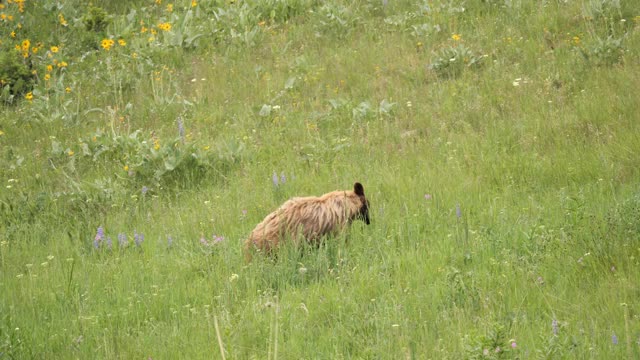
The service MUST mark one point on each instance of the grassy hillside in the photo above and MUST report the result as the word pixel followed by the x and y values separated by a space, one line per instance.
pixel 497 141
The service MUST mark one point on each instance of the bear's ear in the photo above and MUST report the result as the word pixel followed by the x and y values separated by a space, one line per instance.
pixel 358 189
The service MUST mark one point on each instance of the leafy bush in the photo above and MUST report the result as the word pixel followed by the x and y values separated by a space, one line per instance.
pixel 15 75
pixel 96 20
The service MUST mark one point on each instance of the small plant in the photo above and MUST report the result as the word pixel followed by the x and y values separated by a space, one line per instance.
pixel 452 61
pixel 185 34
pixel 362 111
pixel 336 20
pixel 604 52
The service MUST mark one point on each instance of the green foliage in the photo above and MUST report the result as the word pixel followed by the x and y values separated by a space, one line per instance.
pixel 96 20
pixel 604 52
pixel 451 61
pixel 16 78
pixel 335 20
pixel 502 188
pixel 280 11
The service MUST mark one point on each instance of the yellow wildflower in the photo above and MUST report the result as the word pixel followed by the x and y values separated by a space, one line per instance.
pixel 29 96
pixel 107 44
pixel 156 144
pixel 194 3
pixel 576 40
pixel 169 7
pixel 158 2
pixel 67 89
pixel 35 49
pixel 49 68
pixel 121 42
pixel 54 49
pixel 62 64
pixel 47 77
pixel 456 37
pixel 126 168
pixel 164 26
pixel 143 29
pixel 3 16
pixel 25 45
pixel 70 152
pixel 61 20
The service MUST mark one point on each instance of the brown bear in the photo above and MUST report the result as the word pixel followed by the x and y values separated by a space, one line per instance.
pixel 309 218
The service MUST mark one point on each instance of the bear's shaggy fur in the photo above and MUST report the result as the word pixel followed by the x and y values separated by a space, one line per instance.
pixel 309 218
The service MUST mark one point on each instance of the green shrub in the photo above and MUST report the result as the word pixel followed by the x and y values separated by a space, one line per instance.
pixel 96 20
pixel 15 75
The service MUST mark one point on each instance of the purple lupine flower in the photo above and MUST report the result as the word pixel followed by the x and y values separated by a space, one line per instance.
pixel 614 339
pixel 283 179
pixel 244 212
pixel 554 327
pixel 427 197
pixel 513 344
pixel 458 211
pixel 144 190
pixel 138 238
pixel 274 178
pixel 99 237
pixel 217 239
pixel 180 128
pixel 203 241
pixel 109 242
pixel 122 240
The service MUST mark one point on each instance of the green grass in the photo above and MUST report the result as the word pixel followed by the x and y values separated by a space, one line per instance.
pixel 518 119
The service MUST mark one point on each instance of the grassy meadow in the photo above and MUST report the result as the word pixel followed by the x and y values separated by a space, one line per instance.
pixel 498 142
